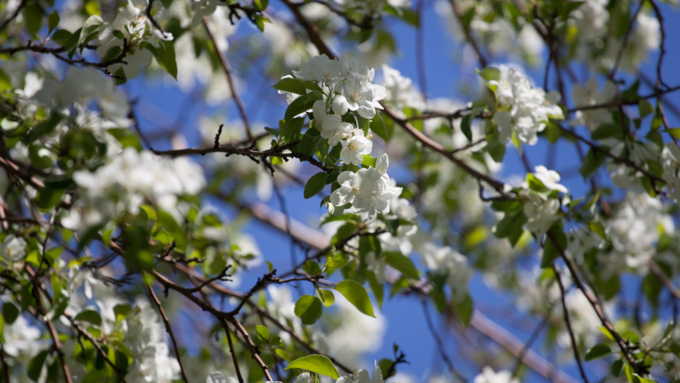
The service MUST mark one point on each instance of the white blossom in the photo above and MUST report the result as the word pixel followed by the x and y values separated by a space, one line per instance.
pixel 368 190
pixel 540 213
pixel 590 95
pixel 355 147
pixel 13 247
pixel 526 109
pixel 549 178
pixel 488 375
pixel 331 125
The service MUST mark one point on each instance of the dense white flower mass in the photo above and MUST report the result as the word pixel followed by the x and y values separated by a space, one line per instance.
pixel 13 247
pixel 488 375
pixel 524 109
pixel 549 178
pixel 146 341
pixel 136 28
pixel 633 232
pixel 369 190
pixel 400 91
pixel 127 181
pixel 540 213
pixel 83 85
pixel 590 95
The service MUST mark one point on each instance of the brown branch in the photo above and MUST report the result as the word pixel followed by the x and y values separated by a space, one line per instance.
pixel 14 15
pixel 168 327
pixel 228 72
pixel 277 151
pixel 619 55
pixel 595 304
pixel 503 337
pixel 663 278
pixel 438 340
pixel 312 30
pixel 5 367
pixel 468 34
pixel 427 141
pixel 253 349
pixel 231 350
pixel 574 345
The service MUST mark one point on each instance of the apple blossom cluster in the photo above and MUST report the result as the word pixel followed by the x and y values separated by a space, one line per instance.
pixel 590 95
pixel 523 109
pixel 347 88
pixel 130 29
pixel 347 84
pixel 368 190
pixel 540 209
pixel 125 183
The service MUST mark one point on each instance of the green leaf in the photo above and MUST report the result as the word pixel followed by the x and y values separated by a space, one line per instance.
pixel 126 137
pixel 327 297
pixel 291 85
pixel 71 44
pixel 112 53
pixel 311 267
pixel 591 163
pixel 165 55
pixel 270 266
pixel 53 21
pixel 489 73
pixel 5 82
pixel 10 312
pixel 318 364
pixel 356 294
pixel 90 316
pixel 282 354
pixel 315 185
pixel 550 251
pixel 91 25
pixel 605 131
pixel 645 108
pixel 465 126
pixel 33 16
pixel 638 379
pixel 291 130
pixel 36 365
pixel 309 309
pixel 597 351
pixel 44 127
pixel 274 132
pixel 262 332
pixel 381 129
pixel 122 311
pixel 61 37
pixel 49 196
pixel 402 263
pixel 302 104
pixel 464 309
pixel 675 132
pixel 310 142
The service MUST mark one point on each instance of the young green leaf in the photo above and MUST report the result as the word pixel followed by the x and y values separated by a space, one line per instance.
pixel 318 364
pixel 309 309
pixel 401 263
pixel 291 85
pixel 315 185
pixel 356 294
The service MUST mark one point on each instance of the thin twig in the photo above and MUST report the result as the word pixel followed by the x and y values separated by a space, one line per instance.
pixel 168 328
pixel 228 72
pixel 574 345
pixel 438 340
